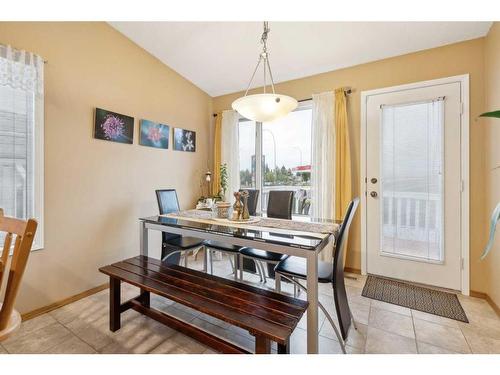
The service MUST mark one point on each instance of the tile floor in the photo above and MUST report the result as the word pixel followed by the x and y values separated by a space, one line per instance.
pixel 82 327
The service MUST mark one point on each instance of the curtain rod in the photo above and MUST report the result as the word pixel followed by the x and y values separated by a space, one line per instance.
pixel 20 49
pixel 347 91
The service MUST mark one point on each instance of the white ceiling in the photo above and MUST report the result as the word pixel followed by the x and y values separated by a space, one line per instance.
pixel 219 57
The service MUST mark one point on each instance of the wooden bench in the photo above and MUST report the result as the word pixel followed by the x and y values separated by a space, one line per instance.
pixel 267 315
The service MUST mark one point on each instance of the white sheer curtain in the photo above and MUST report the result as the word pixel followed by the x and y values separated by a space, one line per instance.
pixel 21 70
pixel 21 135
pixel 230 151
pixel 323 156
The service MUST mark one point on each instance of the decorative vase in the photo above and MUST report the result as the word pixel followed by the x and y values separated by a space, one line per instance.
pixel 223 209
pixel 237 206
pixel 244 198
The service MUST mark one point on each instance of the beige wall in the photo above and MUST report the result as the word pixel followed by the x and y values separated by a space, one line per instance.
pixel 460 58
pixel 492 144
pixel 95 190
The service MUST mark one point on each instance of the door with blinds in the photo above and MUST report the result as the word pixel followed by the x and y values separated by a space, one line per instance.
pixel 413 185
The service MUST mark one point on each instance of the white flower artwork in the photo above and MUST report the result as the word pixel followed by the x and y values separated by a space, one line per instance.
pixel 184 140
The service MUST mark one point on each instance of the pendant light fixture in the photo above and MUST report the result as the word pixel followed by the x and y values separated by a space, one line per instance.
pixel 264 107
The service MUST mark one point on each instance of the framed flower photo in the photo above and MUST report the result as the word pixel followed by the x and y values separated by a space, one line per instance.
pixel 114 127
pixel 184 140
pixel 153 134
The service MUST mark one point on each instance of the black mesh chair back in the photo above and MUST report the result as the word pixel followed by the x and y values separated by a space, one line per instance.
pixel 167 201
pixel 339 292
pixel 279 205
pixel 253 198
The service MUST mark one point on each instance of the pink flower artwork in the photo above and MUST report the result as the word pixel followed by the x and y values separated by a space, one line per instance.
pixel 154 134
pixel 113 127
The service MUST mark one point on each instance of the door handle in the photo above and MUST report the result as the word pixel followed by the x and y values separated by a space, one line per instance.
pixel 373 180
pixel 373 194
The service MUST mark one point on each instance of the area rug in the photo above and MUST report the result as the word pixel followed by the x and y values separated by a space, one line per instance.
pixel 415 297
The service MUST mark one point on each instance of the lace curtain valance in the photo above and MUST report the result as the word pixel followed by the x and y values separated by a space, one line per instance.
pixel 21 70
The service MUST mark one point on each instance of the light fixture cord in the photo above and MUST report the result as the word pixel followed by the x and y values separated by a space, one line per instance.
pixel 263 56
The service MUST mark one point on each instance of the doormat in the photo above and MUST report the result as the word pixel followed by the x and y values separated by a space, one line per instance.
pixel 415 297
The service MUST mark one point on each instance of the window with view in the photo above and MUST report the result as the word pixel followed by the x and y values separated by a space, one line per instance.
pixel 21 137
pixel 284 150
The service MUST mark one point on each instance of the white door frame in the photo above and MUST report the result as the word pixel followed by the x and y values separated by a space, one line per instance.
pixel 464 167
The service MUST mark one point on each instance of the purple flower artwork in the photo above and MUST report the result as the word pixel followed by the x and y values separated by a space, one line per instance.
pixel 153 134
pixel 114 127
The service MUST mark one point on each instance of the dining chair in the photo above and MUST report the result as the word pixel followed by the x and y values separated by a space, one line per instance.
pixel 294 269
pixel 173 244
pixel 234 251
pixel 279 206
pixel 24 232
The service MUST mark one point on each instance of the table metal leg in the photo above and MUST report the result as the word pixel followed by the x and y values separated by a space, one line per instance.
pixel 143 238
pixel 312 298
pixel 143 244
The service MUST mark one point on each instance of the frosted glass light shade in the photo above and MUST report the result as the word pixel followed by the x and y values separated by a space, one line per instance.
pixel 264 107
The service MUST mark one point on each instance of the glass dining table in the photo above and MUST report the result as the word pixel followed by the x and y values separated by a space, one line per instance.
pixel 303 240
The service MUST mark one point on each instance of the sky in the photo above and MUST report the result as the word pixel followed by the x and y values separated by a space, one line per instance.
pixel 293 141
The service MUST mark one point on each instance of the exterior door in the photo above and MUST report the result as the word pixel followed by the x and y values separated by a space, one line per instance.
pixel 414 184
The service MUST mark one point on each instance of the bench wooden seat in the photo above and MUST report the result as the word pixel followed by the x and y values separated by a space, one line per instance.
pixel 267 315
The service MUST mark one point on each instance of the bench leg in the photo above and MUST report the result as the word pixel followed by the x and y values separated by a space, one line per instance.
pixel 114 304
pixel 145 298
pixel 262 345
pixel 284 348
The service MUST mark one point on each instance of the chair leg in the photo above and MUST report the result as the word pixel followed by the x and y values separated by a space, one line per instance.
pixel 295 289
pixel 257 268
pixel 170 254
pixel 211 262
pixel 235 269
pixel 353 321
pixel 332 323
pixel 241 267
pixel 277 282
pixel 330 319
pixel 258 263
pixel 259 271
pixel 205 258
pixel 186 259
pixel 232 264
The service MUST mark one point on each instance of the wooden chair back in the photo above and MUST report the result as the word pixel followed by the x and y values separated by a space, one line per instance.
pixel 24 233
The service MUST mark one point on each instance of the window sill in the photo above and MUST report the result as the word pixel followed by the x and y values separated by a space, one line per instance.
pixel 34 247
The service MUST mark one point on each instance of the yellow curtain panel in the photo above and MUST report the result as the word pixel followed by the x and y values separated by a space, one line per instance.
pixel 217 155
pixel 343 182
